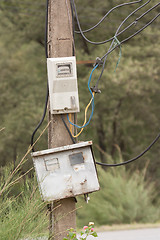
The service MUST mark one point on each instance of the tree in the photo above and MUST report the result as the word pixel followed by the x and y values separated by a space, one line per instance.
pixel 126 112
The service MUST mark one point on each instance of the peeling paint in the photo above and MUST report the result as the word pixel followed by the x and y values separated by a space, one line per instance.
pixel 61 178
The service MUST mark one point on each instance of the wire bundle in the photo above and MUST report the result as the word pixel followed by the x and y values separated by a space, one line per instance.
pixel 118 32
pixel 114 44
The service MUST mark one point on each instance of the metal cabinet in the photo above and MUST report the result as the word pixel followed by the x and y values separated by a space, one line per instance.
pixel 66 171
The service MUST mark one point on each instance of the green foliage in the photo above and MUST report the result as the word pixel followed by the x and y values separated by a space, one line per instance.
pixel 84 234
pixel 71 235
pixel 22 212
pixel 23 78
pixel 123 198
pixel 126 113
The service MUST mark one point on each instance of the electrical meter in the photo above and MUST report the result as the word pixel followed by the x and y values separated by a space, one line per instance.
pixel 63 89
pixel 66 171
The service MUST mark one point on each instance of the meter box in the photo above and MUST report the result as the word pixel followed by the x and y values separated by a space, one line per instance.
pixel 63 89
pixel 66 171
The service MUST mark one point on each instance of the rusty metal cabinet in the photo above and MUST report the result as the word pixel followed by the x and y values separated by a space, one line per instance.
pixel 66 171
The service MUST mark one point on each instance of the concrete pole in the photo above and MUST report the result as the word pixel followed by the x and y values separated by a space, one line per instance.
pixel 60 44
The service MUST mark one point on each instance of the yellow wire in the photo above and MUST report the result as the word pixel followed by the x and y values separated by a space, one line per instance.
pixel 85 119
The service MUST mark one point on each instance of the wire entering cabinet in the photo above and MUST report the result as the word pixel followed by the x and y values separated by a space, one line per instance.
pixel 66 171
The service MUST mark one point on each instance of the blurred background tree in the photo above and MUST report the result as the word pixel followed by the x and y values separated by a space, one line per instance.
pixel 127 112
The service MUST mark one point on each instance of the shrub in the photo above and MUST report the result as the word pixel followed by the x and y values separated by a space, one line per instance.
pixel 124 197
pixel 22 213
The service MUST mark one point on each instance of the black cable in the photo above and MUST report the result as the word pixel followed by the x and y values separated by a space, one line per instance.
pixel 109 51
pixel 133 159
pixel 105 56
pixel 73 27
pixel 95 88
pixel 133 35
pixel 47 95
pixel 65 124
pixel 62 117
pixel 105 41
pixel 106 15
pixel 125 40
pixel 46 29
pixel 42 119
pixel 137 19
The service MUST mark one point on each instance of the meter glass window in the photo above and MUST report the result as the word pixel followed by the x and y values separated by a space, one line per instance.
pixel 52 164
pixel 76 158
pixel 64 69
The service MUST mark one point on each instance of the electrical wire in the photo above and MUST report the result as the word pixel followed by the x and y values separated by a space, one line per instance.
pixel 105 56
pixel 109 51
pixel 123 41
pixel 47 95
pixel 95 88
pixel 46 29
pixel 133 159
pixel 73 28
pixel 106 15
pixel 92 95
pixel 41 121
pixel 137 32
pixel 70 134
pixel 85 120
pixel 108 40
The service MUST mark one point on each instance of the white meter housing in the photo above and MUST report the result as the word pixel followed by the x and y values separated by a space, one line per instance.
pixel 63 89
pixel 66 171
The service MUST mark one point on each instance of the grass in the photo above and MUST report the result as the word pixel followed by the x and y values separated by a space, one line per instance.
pixel 22 213
pixel 25 214
pixel 125 198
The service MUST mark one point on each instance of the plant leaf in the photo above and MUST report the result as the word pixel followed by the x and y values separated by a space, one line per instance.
pixel 94 234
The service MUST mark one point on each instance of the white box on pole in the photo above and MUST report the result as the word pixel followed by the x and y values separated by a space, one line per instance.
pixel 67 171
pixel 63 87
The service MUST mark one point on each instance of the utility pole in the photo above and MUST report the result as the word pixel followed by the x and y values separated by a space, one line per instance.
pixel 60 44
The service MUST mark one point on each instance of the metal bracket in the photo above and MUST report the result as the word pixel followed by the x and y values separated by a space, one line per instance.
pixel 98 62
pixel 86 197
pixel 95 89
